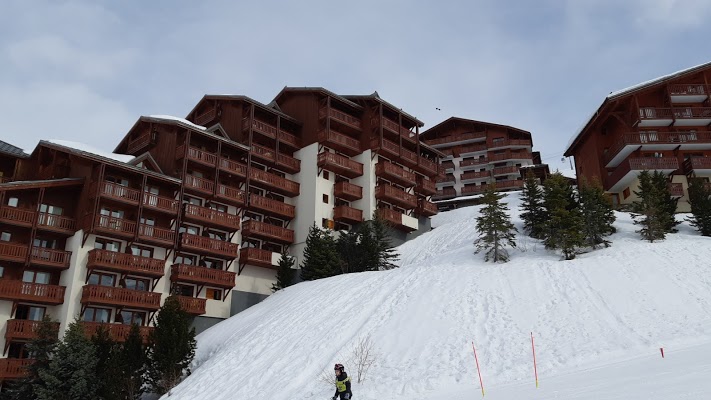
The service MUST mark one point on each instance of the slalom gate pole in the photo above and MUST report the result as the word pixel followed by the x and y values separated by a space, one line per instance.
pixel 481 383
pixel 535 370
pixel 662 350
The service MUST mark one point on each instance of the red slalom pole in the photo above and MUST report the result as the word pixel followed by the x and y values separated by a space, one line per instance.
pixel 535 370
pixel 481 383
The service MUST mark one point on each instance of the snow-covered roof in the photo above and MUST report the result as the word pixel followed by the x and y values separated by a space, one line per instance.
pixel 90 149
pixel 180 120
pixel 12 150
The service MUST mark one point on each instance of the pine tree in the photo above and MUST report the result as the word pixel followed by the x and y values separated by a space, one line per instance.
pixel 387 255
pixel 533 213
pixel 42 348
pixel 668 203
pixel 321 258
pixel 494 227
pixel 104 347
pixel 564 228
pixel 352 258
pixel 700 201
pixel 648 211
pixel 597 214
pixel 72 370
pixel 285 273
pixel 172 347
pixel 131 361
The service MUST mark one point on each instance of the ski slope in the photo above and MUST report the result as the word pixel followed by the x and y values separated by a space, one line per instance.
pixel 598 323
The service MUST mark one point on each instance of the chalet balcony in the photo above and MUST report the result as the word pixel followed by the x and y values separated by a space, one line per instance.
pixel 510 155
pixel 115 226
pixel 50 258
pixel 288 163
pixel 674 116
pixel 340 142
pixel 395 173
pixel 160 203
pixel 155 235
pixel 266 231
pixel 473 163
pixel 475 176
pixel 123 194
pixel 464 138
pixel 396 196
pixel 398 220
pixel 139 143
pixel 271 206
pixel 233 167
pixel 206 117
pixel 23 329
pixel 208 246
pixel 14 252
pixel 676 189
pixel 340 165
pixel 348 191
pixel 426 208
pixel 447 180
pixel 427 167
pixel 202 157
pixel 31 292
pixel 511 184
pixel 257 257
pixel 628 170
pixel 199 185
pixel 14 368
pixel 340 117
pixel 56 223
pixel 125 263
pixel 510 170
pixel 511 144
pixel 470 190
pixel 347 214
pixel 396 128
pixel 17 216
pixel 273 182
pixel 209 217
pixel 230 195
pixel 425 186
pixel 120 297
pixel 117 332
pixel 445 193
pixel 472 149
pixel 262 128
pixel 447 165
pixel 263 153
pixel 192 305
pixel 202 276
pixel 697 165
pixel 689 93
pixel 289 139
pixel 656 141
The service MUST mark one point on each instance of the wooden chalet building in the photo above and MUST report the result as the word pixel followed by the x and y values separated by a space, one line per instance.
pixel 661 125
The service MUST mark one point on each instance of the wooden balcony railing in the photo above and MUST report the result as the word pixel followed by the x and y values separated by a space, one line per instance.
pixel 288 163
pixel 198 184
pixel 511 142
pixel 396 196
pixel 475 161
pixel 263 152
pixel 192 305
pixel 427 166
pixel 202 156
pixel 342 117
pixel 641 164
pixel 475 175
pixel 694 164
pixel 17 216
pixel 156 235
pixel 289 139
pixel 348 214
pixel 50 257
pixel 114 296
pixel 271 206
pixel 449 164
pixel 395 173
pixel 391 216
pixel 56 223
pixel 261 127
pixel 472 148
pixel 652 113
pixel 139 143
pixel 263 230
pixel 210 217
pixel 230 195
pixel 445 193
pixel 202 244
pixel 676 189
pixel 474 189
pixel 509 184
pixel 6 179
pixel 257 257
pixel 426 208
pixel 31 292
pixel 689 89
pixel 401 130
pixel 425 186
pixel 659 138
pixel 23 329
pixel 14 368
pixel 160 203
pixel 340 165
pixel 692 113
pixel 13 252
pixel 340 142
pixel 206 117
pixel 348 191
pixel 117 332
pixel 274 182
pixel 233 167
pixel 125 263
pixel 118 192
pixel 506 170
pixel 118 226
pixel 202 276
pixel 456 138
pixel 510 155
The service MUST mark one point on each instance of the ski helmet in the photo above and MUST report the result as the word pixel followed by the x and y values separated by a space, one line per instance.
pixel 338 367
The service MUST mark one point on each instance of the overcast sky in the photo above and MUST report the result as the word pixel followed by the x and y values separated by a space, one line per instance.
pixel 86 70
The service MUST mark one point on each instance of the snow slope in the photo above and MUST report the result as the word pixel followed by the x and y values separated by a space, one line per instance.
pixel 598 323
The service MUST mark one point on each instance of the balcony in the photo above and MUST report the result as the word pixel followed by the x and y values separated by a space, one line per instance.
pixel 199 185
pixel 31 292
pixel 14 368
pixel 50 258
pixel 117 332
pixel 697 165
pixel 288 163
pixel 17 216
pixel 395 173
pixel 656 141
pixel 159 203
pixel 123 194
pixel 202 157
pixel 445 193
pixel 139 143
pixel 426 208
pixel 628 170
pixel 120 297
pixel 289 139
pixel 202 276
pixel 13 252
pixel 510 170
pixel 447 180
pixel 125 263
pixel 347 214
pixel 340 142
pixel 56 223
pixel 475 175
pixel 22 329
pixel 511 184
pixel 263 153
pixel 271 206
pixel 266 231
pixel 473 163
pixel 689 93
pixel 676 189
pixel 510 155
pixel 206 117
pixel 471 149
pixel 472 189
pixel 340 165
pixel 273 182
pixel 398 220
pixel 512 144
pixel 341 117
pixel 447 165
pixel 348 191
pixel 192 305
pixel 154 235
pixel 676 116
pixel 453 140
pixel 396 128
pixel 209 217
pixel 206 245
pixel 230 195
pixel 115 226
pixel 256 257
pixel 233 167
pixel 263 128
pixel 396 196
pixel 425 186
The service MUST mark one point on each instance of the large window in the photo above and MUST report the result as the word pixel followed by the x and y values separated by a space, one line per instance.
pixel 184 290
pixel 136 284
pixel 31 313
pixel 93 314
pixel 187 259
pixel 142 251
pixel 102 279
pixel 13 201
pixel 193 230
pixel 106 244
pixel 131 317
pixel 29 276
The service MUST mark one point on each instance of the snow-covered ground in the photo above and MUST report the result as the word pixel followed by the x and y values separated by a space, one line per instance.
pixel 598 323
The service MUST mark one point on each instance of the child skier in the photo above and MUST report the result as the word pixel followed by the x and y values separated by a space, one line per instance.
pixel 343 384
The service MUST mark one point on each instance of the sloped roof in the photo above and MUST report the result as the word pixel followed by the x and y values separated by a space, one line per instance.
pixel 15 185
pixel 318 90
pixel 453 119
pixel 377 98
pixel 7 148
pixel 271 107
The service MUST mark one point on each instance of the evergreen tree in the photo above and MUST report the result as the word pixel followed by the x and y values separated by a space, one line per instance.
pixel 494 227
pixel 564 228
pixel 105 369
pixel 668 203
pixel 131 361
pixel 172 347
pixel 40 349
pixel 321 258
pixel 352 258
pixel 700 201
pixel 387 255
pixel 71 374
pixel 533 213
pixel 648 211
pixel 597 214
pixel 285 273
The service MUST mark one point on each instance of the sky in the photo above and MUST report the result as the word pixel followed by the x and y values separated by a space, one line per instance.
pixel 85 71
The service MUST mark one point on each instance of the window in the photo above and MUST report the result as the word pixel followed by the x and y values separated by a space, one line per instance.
pixel 212 263
pixel 13 202
pixel 102 279
pixel 2 271
pixel 105 244
pixel 213 294
pixel 186 259
pixel 190 229
pixel 5 237
pixel 135 284
pixel 325 198
pixel 131 317
pixel 184 290
pixel 217 235
pixel 45 243
pixel 141 251
pixel 326 175
pixel 111 219
pixel 36 277
pixel 30 313
pixel 49 215
pixel 151 195
pixel 17 350
pixel 146 228
pixel 217 207
pixel 192 200
pixel 93 314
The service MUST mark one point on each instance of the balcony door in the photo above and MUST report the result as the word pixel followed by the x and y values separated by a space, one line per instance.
pixel 49 215
pixel 30 313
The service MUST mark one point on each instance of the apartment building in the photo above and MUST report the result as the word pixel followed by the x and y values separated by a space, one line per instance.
pixel 661 124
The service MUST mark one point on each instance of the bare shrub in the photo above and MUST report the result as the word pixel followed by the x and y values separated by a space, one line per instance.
pixel 363 357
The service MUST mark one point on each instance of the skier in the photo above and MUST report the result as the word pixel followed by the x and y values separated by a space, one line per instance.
pixel 343 384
